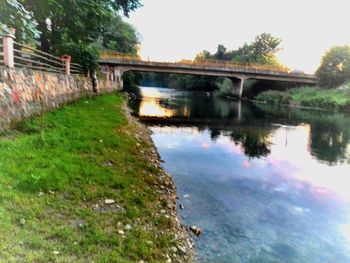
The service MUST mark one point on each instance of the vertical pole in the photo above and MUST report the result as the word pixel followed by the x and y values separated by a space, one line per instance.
pixel 94 82
pixel 66 59
pixel 8 48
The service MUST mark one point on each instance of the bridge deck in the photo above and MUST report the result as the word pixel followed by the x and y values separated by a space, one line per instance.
pixel 211 69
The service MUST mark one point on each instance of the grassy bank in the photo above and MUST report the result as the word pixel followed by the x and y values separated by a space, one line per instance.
pixel 54 184
pixel 313 97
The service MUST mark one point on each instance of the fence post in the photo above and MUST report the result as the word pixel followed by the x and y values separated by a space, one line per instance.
pixel 66 59
pixel 8 48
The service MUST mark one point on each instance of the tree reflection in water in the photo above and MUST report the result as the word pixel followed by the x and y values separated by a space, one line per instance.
pixel 329 136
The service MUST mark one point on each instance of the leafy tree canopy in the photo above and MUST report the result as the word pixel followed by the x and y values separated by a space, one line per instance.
pixel 66 25
pixel 335 67
pixel 118 35
pixel 14 14
pixel 263 50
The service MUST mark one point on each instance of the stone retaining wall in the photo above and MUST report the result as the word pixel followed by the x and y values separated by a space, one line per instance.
pixel 24 92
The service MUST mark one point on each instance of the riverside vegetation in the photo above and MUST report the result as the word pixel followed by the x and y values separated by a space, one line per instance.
pixel 311 97
pixel 334 81
pixel 83 183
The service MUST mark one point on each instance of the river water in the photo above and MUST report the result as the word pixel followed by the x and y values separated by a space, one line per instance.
pixel 265 184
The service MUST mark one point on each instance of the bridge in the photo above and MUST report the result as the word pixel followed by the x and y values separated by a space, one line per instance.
pixel 237 73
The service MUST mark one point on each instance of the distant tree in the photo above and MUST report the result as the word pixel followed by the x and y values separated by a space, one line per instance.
pixel 263 50
pixel 335 67
pixel 221 53
pixel 203 56
pixel 118 35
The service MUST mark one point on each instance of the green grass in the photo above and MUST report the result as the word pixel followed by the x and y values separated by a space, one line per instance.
pixel 48 188
pixel 313 97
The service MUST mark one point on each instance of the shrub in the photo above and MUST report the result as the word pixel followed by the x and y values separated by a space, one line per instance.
pixel 274 97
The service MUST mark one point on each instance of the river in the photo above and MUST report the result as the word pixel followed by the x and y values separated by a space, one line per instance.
pixel 265 184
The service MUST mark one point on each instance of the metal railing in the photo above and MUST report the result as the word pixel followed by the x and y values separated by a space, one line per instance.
pixel 18 55
pixel 28 57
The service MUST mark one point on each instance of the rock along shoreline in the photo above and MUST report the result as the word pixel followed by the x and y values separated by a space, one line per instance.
pixel 184 250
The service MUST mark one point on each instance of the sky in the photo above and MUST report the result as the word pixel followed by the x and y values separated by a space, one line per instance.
pixel 171 30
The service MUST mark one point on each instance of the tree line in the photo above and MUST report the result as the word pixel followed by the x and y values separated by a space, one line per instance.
pixel 263 50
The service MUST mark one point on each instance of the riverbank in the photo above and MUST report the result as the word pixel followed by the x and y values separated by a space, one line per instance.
pixel 309 97
pixel 83 183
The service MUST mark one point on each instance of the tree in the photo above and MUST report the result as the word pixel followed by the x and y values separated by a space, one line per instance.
pixel 66 25
pixel 13 14
pixel 118 35
pixel 335 67
pixel 262 50
pixel 221 53
pixel 203 56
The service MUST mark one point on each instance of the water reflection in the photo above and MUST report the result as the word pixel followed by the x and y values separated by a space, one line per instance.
pixel 265 184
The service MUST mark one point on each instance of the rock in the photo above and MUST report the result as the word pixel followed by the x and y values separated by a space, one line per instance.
pixel 56 252
pixel 40 193
pixel 173 249
pixel 22 221
pixel 108 163
pixel 109 201
pixel 127 227
pixel 121 232
pixel 182 249
pixel 196 230
pixel 182 207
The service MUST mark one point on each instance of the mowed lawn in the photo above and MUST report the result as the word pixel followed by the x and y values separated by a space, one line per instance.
pixel 56 172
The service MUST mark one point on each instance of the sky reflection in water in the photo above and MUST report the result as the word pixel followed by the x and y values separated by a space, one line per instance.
pixel 255 186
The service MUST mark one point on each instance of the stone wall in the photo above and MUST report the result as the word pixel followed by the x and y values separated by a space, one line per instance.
pixel 24 92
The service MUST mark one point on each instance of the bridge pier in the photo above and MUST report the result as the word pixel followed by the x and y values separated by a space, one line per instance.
pixel 237 86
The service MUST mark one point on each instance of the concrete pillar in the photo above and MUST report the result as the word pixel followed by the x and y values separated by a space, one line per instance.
pixel 118 76
pixel 94 82
pixel 8 48
pixel 66 59
pixel 237 86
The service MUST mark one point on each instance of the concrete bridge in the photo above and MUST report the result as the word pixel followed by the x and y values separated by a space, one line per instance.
pixel 235 72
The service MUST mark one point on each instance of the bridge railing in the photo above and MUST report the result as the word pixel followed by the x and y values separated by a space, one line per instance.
pixel 107 54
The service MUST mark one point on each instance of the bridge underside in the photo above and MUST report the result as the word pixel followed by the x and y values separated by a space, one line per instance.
pixel 236 79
